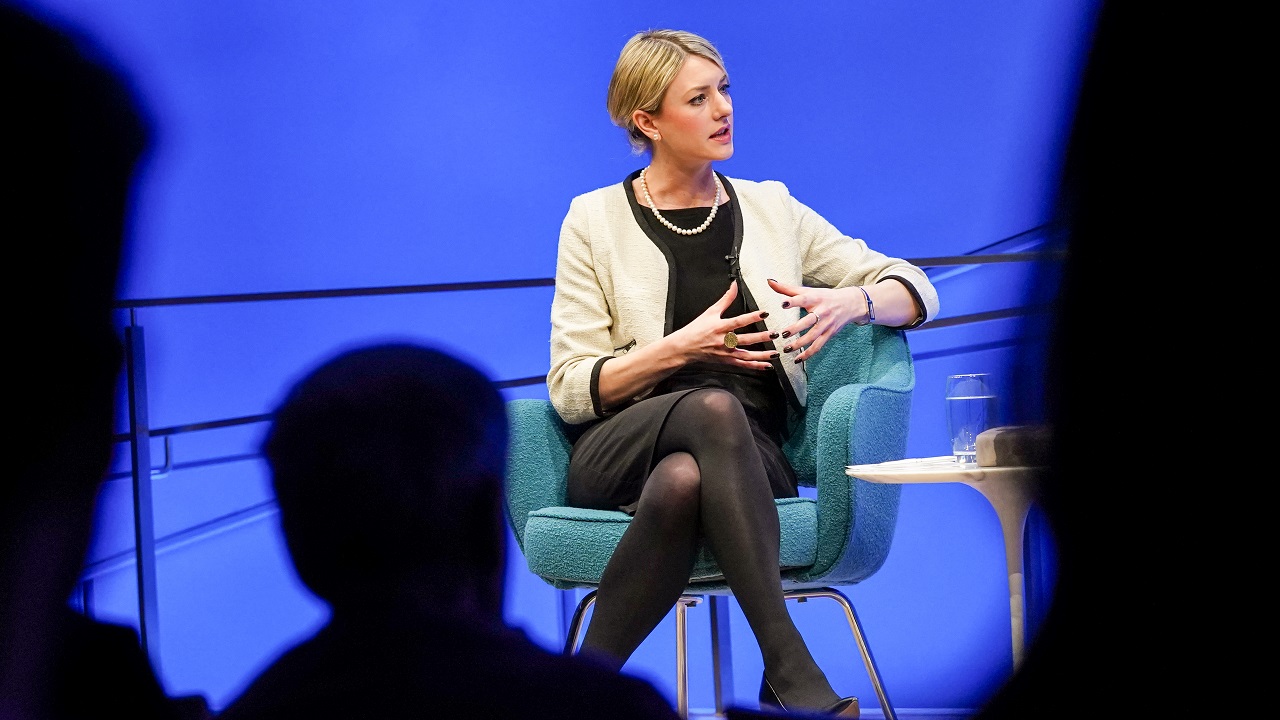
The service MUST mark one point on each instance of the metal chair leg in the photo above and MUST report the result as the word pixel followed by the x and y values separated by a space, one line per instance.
pixel 721 652
pixel 682 652
pixel 856 627
pixel 575 624
pixel 721 649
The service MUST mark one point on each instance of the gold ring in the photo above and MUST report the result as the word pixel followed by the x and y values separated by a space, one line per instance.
pixel 731 340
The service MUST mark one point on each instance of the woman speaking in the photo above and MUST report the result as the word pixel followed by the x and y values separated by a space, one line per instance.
pixel 677 356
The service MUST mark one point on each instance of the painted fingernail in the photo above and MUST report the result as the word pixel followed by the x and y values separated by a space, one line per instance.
pixel 764 315
pixel 786 305
pixel 787 349
pixel 773 336
pixel 786 334
pixel 773 355
pixel 772 280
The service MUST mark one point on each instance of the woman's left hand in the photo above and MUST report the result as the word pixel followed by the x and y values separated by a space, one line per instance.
pixel 829 310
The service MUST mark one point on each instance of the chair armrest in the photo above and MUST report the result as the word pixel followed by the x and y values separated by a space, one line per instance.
pixel 537 461
pixel 859 423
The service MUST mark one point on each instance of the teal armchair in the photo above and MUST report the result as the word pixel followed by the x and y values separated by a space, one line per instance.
pixel 858 412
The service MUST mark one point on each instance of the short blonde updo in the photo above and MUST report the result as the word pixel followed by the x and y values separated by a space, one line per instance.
pixel 647 65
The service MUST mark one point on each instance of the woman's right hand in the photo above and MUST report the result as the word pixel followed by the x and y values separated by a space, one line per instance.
pixel 703 339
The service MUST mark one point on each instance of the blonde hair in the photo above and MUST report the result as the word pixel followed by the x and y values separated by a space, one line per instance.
pixel 646 67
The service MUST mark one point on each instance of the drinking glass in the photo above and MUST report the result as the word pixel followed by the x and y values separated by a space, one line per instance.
pixel 971 408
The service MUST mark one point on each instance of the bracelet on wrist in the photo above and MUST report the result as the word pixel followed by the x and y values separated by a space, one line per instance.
pixel 871 308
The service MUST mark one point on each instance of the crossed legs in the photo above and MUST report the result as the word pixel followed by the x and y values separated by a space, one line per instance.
pixel 709 483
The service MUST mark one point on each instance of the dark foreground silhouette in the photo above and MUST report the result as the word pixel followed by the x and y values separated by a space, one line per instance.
pixel 387 463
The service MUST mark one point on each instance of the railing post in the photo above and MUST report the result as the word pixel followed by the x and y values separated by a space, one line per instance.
pixel 143 517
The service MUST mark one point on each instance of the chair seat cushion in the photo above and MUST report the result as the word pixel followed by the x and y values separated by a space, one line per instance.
pixel 567 545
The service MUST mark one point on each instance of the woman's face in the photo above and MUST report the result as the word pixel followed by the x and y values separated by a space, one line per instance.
pixel 696 119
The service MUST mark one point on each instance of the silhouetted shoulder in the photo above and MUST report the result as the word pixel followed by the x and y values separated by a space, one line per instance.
pixel 348 672
pixel 564 687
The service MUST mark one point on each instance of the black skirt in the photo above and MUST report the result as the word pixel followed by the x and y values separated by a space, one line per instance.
pixel 612 459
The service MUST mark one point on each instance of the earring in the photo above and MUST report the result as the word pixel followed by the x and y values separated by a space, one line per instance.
pixel 656 137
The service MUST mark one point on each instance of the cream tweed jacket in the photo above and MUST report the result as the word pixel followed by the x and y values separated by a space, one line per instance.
pixel 612 278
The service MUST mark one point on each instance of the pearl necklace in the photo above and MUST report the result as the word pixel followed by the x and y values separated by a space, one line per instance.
pixel 715 205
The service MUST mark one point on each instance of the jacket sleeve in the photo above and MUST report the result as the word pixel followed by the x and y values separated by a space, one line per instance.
pixel 829 258
pixel 580 323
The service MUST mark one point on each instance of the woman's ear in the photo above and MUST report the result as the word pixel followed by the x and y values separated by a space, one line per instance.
pixel 644 123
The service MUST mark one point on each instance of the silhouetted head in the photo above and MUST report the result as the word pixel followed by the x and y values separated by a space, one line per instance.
pixel 387 463
pixel 74 135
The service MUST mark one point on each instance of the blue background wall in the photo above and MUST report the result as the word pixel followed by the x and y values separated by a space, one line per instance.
pixel 311 146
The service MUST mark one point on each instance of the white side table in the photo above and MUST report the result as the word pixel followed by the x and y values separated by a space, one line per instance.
pixel 1011 492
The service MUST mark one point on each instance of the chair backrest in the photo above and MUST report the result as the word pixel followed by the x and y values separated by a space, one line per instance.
pixel 537 461
pixel 872 355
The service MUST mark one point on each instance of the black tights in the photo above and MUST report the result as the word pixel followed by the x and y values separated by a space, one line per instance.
pixel 710 482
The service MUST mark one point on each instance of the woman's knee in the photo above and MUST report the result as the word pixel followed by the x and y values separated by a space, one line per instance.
pixel 710 415
pixel 708 419
pixel 675 483
pixel 713 405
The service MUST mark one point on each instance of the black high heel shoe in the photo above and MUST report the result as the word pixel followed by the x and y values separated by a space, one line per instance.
pixel 844 708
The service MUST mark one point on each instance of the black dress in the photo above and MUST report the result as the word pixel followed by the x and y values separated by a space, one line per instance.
pixel 612 457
